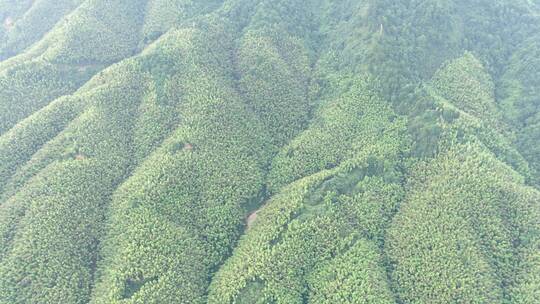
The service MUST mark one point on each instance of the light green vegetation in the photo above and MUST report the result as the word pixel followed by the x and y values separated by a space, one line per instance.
pixel 383 151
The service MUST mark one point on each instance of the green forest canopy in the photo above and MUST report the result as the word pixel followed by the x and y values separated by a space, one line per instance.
pixel 269 151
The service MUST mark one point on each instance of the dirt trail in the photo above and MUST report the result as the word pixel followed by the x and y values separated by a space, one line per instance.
pixel 251 219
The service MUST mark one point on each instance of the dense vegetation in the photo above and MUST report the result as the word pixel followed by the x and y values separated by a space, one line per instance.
pixel 269 151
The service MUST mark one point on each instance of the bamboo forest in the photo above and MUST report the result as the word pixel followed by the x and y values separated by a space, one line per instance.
pixel 269 151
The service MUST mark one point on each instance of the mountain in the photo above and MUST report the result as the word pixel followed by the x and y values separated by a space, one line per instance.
pixel 269 151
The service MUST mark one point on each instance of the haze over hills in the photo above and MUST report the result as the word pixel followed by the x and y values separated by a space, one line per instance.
pixel 269 151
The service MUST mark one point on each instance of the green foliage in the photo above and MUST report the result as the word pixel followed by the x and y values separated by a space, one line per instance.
pixel 192 188
pixel 413 38
pixel 495 29
pixel 32 133
pixel 520 93
pixel 269 151
pixel 162 15
pixel 356 276
pixel 31 26
pixel 113 26
pixel 466 84
pixel 66 202
pixel 372 207
pixel 354 122
pixel 453 240
pixel 345 32
pixel 298 229
pixel 274 78
pixel 296 249
pixel 29 87
pixel 294 17
pixel 527 289
pixel 50 237
pixel 458 106
pixel 69 144
pixel 327 208
pixel 9 10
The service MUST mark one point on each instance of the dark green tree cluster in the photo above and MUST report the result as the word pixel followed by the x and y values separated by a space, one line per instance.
pixel 495 29
pixel 520 98
pixel 412 38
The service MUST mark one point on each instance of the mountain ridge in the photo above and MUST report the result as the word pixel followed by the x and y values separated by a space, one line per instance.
pixel 388 148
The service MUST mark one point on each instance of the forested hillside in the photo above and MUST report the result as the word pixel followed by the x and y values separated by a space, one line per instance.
pixel 269 151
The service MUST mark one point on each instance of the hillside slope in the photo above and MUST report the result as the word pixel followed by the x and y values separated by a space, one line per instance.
pixel 269 151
